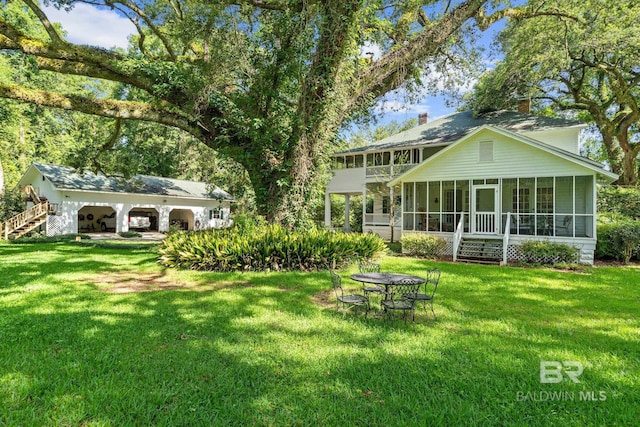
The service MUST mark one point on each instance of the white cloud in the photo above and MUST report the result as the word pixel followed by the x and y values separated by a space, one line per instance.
pixel 86 24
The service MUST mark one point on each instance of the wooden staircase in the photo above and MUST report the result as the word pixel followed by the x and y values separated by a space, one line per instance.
pixel 28 220
pixel 480 251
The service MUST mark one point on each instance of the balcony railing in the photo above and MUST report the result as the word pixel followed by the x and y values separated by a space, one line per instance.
pixel 381 219
pixel 387 170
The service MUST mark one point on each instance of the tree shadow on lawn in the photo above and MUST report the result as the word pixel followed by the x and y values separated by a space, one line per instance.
pixel 255 349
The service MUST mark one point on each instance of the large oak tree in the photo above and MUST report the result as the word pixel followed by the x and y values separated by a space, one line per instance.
pixel 584 60
pixel 265 82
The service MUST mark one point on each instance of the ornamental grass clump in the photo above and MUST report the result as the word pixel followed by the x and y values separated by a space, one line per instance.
pixel 265 247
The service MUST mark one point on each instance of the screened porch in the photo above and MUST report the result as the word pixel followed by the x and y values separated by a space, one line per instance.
pixel 562 206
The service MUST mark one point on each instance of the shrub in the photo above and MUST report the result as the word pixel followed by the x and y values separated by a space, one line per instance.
pixel 129 234
pixel 618 238
pixel 51 239
pixel 548 253
pixel 624 201
pixel 422 245
pixel 263 247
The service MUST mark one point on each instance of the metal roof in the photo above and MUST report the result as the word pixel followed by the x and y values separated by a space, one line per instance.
pixel 454 126
pixel 67 178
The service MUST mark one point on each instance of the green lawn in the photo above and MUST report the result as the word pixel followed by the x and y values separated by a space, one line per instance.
pixel 80 344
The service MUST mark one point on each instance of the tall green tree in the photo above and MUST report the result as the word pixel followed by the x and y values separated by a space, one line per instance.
pixel 583 59
pixel 267 83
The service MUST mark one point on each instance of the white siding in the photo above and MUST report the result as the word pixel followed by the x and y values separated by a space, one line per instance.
pixel 512 159
pixel 566 139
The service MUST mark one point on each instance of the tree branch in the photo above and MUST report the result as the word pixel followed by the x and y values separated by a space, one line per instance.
pixel 86 61
pixel 390 71
pixel 102 107
pixel 44 20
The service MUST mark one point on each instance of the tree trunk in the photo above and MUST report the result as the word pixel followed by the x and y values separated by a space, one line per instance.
pixel 629 169
pixel 613 150
pixel 1 179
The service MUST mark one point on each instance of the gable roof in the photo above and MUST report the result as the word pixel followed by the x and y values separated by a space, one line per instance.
pixel 454 126
pixel 70 179
pixel 574 158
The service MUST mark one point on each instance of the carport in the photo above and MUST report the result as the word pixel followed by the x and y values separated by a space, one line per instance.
pixel 182 218
pixel 151 213
pixel 96 218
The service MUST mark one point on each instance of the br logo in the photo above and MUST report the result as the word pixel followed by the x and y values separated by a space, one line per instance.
pixel 552 371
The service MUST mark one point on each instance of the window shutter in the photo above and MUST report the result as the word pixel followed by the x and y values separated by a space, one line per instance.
pixel 485 151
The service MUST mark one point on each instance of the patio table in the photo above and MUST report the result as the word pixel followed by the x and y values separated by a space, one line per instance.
pixel 385 279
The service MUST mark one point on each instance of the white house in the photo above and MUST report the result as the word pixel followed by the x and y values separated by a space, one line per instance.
pixel 485 184
pixel 81 201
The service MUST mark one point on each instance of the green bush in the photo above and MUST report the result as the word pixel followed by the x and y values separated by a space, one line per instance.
pixel 548 253
pixel 422 245
pixel 623 201
pixel 51 239
pixel 129 234
pixel 262 247
pixel 618 238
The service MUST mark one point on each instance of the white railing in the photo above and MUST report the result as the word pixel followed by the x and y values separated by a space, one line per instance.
pixel 381 219
pixel 457 236
pixel 388 170
pixel 378 170
pixel 505 238
pixel 485 223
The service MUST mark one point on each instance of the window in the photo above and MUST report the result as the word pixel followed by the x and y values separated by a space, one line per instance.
pixel 521 200
pixel 216 213
pixel 485 151
pixel 385 204
pixel 369 206
pixel 544 199
pixel 402 157
pixel 379 159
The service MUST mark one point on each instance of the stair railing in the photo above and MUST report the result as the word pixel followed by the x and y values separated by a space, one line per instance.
pixel 505 239
pixel 457 237
pixel 33 193
pixel 23 218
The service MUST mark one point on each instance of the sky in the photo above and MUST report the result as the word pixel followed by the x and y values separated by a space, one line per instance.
pixel 86 24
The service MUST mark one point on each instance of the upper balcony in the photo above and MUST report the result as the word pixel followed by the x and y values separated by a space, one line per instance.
pixel 352 170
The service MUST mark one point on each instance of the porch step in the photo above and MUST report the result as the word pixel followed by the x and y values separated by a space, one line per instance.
pixel 481 251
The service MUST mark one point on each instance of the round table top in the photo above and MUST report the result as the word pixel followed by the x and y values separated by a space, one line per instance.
pixel 384 278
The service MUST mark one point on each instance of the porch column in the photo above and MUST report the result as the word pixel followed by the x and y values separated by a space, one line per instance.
pixel 347 203
pixel 392 213
pixel 327 210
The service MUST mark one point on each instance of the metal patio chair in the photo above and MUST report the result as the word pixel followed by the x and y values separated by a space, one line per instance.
pixel 430 287
pixel 348 301
pixel 370 267
pixel 401 296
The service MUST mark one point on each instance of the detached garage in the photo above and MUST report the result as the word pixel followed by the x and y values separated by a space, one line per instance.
pixel 82 201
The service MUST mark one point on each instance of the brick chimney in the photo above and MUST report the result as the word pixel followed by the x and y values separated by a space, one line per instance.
pixel 423 118
pixel 524 105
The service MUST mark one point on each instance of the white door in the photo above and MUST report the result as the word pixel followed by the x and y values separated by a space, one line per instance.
pixel 484 219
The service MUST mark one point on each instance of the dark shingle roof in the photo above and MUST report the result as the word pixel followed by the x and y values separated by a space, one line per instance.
pixel 66 178
pixel 454 126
